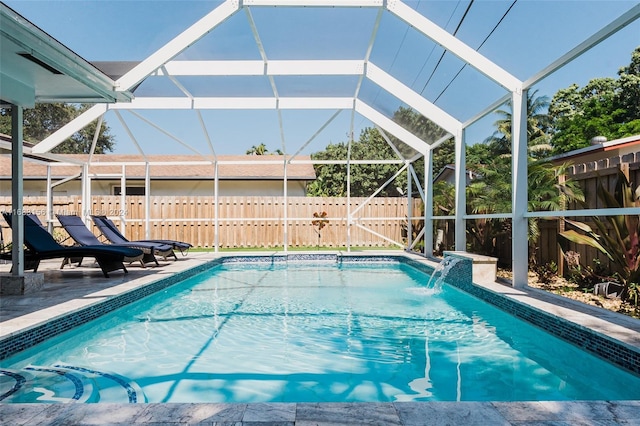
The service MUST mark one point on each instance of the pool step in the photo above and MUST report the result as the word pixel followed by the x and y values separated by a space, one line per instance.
pixel 45 385
pixel 112 387
pixel 66 384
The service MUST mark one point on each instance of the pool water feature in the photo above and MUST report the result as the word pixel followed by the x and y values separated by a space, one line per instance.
pixel 441 272
pixel 312 332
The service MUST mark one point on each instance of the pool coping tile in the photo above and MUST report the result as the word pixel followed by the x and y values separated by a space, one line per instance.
pixel 22 414
pixel 263 412
pixel 191 413
pixel 569 413
pixel 336 413
pixel 466 413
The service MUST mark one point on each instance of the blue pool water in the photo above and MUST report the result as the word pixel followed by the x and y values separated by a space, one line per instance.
pixel 303 332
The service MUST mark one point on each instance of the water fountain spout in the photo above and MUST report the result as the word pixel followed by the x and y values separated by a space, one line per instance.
pixel 440 273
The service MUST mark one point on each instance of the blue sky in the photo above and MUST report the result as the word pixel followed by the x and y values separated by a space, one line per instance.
pixel 531 34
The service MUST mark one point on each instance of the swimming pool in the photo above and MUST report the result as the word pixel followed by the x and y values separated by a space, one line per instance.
pixel 310 331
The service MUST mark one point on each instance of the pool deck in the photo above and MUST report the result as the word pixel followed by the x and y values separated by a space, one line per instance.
pixel 70 289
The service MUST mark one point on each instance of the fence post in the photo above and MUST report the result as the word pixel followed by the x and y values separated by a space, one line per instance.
pixel 561 227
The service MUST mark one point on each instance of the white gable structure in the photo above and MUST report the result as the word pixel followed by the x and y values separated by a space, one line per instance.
pixel 170 78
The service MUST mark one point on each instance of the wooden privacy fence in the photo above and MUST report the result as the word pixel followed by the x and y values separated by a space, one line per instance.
pixel 243 221
pixel 548 249
pixel 246 222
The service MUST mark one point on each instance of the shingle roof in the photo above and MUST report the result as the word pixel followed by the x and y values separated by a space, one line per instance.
pixel 254 167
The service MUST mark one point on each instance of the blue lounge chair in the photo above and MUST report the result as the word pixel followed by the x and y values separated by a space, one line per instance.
pixel 5 251
pixel 79 232
pixel 41 245
pixel 110 231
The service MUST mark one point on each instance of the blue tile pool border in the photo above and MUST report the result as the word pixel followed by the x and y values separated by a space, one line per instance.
pixel 619 353
pixel 612 350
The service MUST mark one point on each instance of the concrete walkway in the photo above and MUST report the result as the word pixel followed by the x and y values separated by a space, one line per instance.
pixel 303 414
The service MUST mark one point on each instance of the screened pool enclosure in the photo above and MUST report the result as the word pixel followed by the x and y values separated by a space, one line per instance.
pixel 304 71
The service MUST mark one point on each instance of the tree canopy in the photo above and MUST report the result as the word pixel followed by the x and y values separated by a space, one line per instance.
pixel 607 107
pixel 45 119
pixel 371 145
pixel 331 179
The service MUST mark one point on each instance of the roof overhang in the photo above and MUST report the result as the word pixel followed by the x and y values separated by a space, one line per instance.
pixel 38 68
pixel 597 147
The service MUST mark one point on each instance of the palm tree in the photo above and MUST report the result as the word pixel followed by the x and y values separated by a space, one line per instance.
pixel 486 195
pixel 491 192
pixel 538 124
pixel 258 150
pixel 444 195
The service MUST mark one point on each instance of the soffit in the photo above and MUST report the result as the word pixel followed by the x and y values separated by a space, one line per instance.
pixel 35 67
